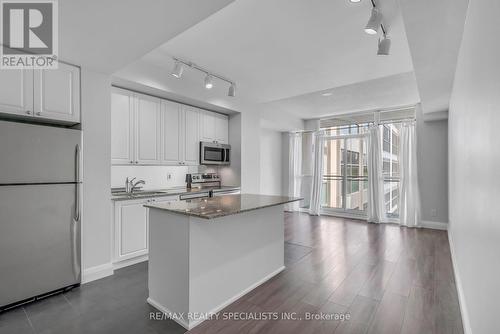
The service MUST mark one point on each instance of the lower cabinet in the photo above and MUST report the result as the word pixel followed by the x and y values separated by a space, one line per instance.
pixel 131 230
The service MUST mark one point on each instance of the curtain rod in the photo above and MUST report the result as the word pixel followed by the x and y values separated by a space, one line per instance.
pixel 349 125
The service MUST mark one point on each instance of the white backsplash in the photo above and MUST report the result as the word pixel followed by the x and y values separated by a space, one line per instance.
pixel 156 177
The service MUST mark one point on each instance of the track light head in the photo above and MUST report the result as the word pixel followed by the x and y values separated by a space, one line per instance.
pixel 208 82
pixel 232 90
pixel 374 22
pixel 178 68
pixel 384 46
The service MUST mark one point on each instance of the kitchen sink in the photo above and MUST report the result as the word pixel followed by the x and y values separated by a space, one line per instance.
pixel 140 193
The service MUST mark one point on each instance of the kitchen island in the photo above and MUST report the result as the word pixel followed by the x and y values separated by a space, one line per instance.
pixel 206 253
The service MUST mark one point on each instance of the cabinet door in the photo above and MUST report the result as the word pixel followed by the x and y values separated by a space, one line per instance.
pixel 221 129
pixel 131 228
pixel 57 94
pixel 148 125
pixel 122 134
pixel 191 120
pixel 16 92
pixel 207 126
pixel 171 134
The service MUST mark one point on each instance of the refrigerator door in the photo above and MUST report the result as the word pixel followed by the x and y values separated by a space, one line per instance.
pixel 39 240
pixel 37 154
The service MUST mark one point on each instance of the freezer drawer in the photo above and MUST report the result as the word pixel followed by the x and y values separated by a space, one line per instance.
pixel 39 240
pixel 36 153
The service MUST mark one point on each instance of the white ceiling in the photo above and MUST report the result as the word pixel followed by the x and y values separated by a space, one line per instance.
pixel 107 35
pixel 434 29
pixel 282 51
pixel 382 93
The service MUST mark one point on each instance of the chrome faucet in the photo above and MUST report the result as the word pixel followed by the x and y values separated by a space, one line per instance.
pixel 130 185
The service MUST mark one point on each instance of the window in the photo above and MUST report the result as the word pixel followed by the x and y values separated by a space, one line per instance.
pixel 390 168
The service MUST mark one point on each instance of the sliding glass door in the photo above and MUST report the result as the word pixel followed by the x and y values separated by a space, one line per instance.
pixel 345 175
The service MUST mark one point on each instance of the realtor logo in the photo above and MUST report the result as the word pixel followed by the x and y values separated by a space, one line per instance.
pixel 29 36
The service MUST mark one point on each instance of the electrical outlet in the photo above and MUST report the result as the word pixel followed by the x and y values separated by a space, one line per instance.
pixel 434 212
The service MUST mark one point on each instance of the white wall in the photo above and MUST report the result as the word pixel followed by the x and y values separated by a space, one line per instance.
pixel 432 159
pixel 96 213
pixel 271 164
pixel 474 168
pixel 250 152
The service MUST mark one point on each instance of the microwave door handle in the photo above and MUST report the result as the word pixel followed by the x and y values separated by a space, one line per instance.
pixel 223 155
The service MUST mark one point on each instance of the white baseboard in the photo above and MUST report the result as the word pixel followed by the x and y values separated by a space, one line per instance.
pixel 218 307
pixel 458 283
pixel 165 310
pixel 129 262
pixel 434 225
pixel 97 272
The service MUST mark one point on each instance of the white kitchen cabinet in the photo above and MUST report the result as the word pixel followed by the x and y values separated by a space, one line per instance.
pixel 42 95
pixel 214 127
pixel 16 92
pixel 122 127
pixel 57 93
pixel 135 128
pixel 148 127
pixel 207 126
pixel 180 134
pixel 171 134
pixel 190 135
pixel 221 128
pixel 131 229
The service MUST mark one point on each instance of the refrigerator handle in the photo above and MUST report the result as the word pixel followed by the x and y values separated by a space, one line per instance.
pixel 77 179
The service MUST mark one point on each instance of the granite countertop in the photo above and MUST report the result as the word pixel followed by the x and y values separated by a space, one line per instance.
pixel 167 192
pixel 215 207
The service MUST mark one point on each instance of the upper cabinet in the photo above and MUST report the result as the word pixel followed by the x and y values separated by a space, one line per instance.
pixel 171 134
pixel 214 127
pixel 42 95
pixel 150 131
pixel 122 129
pixel 16 92
pixel 57 93
pixel 191 129
pixel 135 128
pixel 148 125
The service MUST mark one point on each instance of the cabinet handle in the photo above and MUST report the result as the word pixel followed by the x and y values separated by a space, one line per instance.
pixel 28 112
pixel 38 113
pixel 131 162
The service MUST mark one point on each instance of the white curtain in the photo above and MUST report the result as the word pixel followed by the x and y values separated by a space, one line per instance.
pixel 317 177
pixel 294 169
pixel 409 199
pixel 375 210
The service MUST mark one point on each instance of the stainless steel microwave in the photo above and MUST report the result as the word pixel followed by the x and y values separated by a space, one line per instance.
pixel 214 153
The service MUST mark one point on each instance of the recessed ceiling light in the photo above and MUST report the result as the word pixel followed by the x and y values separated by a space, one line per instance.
pixel 354 1
pixel 326 94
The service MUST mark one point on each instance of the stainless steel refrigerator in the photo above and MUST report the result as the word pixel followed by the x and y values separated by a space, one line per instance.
pixel 39 210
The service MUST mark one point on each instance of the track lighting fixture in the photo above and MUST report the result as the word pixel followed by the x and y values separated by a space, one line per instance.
pixel 374 22
pixel 232 90
pixel 384 46
pixel 208 82
pixel 178 68
pixel 209 76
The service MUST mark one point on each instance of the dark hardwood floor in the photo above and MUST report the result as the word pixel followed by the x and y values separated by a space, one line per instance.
pixel 387 279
